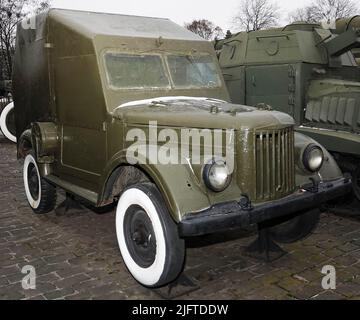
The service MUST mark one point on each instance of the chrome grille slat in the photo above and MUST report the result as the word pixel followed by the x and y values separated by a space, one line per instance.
pixel 275 170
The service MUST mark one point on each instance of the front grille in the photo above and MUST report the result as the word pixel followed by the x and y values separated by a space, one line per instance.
pixel 275 171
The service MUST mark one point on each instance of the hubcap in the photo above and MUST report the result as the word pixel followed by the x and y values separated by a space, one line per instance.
pixel 33 181
pixel 139 236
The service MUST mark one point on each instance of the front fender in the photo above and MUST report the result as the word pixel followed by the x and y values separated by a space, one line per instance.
pixel 176 182
pixel 329 171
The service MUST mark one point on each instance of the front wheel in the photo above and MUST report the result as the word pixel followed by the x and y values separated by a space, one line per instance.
pixel 148 237
pixel 295 228
pixel 40 194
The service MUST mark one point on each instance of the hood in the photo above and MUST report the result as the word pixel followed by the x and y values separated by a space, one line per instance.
pixel 196 112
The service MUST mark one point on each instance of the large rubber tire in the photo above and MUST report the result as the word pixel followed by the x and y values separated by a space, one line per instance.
pixel 148 237
pixel 40 194
pixel 295 227
pixel 6 116
pixel 356 182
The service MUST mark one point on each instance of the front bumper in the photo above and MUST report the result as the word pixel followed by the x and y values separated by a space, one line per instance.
pixel 225 216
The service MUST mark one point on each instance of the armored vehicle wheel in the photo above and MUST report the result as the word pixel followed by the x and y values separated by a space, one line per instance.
pixel 7 122
pixel 292 229
pixel 356 182
pixel 40 194
pixel 148 237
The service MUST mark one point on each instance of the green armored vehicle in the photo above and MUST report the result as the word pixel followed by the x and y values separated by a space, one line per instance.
pixel 308 72
pixel 135 110
pixel 346 24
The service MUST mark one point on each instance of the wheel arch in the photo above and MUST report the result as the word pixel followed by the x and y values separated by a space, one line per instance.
pixel 175 182
pixel 25 144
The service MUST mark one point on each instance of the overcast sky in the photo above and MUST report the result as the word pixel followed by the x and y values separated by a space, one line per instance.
pixel 220 12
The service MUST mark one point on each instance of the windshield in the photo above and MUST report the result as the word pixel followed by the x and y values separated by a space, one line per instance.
pixel 129 71
pixel 190 71
pixel 149 71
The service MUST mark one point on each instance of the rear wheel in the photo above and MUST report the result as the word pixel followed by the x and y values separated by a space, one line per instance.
pixel 7 122
pixel 40 194
pixel 148 237
pixel 295 228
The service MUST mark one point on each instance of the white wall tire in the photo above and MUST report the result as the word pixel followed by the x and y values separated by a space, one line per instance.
pixel 40 194
pixel 168 261
pixel 3 122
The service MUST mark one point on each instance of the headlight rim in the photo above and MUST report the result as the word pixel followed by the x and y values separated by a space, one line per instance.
pixel 206 172
pixel 306 155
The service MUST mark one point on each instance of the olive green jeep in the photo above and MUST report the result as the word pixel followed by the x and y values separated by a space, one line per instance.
pixel 134 110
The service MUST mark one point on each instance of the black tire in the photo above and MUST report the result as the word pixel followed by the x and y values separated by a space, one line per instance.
pixel 295 227
pixel 41 195
pixel 356 182
pixel 148 237
pixel 25 144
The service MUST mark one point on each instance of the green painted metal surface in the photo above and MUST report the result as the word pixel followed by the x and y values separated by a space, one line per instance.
pixel 303 70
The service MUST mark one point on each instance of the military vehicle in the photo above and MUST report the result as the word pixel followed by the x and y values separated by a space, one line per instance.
pixel 343 25
pixel 86 83
pixel 308 72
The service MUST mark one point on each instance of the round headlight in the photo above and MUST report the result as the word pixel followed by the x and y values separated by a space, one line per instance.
pixel 217 176
pixel 313 158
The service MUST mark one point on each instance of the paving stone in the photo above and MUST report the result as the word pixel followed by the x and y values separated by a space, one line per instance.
pixel 307 292
pixel 290 283
pixel 39 297
pixel 348 290
pixel 328 295
pixel 58 294
pixel 69 282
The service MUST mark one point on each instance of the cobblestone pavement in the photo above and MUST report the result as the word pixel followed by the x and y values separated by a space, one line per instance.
pixel 76 256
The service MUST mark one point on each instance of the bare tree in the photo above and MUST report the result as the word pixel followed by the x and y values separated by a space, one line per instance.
pixel 43 6
pixel 11 13
pixel 205 29
pixel 325 10
pixel 256 15
pixel 305 14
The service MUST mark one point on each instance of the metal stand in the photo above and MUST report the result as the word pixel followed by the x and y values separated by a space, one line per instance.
pixel 182 285
pixel 264 248
pixel 68 204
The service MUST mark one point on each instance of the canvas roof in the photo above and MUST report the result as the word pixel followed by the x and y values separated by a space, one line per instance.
pixel 95 23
